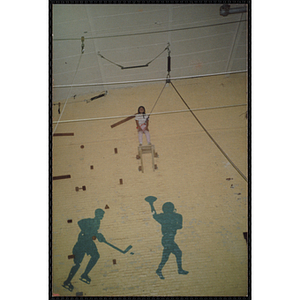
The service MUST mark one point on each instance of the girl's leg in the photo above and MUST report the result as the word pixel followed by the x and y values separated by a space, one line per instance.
pixel 147 136
pixel 140 134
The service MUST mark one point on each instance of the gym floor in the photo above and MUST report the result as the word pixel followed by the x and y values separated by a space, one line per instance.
pixel 192 173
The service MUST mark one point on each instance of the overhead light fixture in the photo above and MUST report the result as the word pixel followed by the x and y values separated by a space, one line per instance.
pixel 225 10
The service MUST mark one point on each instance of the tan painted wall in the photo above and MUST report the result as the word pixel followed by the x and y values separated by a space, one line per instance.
pixel 192 173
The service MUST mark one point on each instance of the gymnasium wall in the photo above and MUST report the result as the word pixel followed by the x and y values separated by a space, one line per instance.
pixel 191 172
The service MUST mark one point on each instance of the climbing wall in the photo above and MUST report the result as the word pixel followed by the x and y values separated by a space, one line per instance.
pixel 95 166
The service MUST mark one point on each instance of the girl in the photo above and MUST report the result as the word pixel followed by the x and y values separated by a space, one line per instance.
pixel 142 123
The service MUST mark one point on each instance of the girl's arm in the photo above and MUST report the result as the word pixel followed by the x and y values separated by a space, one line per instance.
pixel 147 124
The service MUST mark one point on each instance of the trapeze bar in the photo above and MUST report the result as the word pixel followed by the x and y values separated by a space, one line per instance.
pixel 133 67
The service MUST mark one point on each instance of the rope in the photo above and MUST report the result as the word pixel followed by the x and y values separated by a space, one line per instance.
pixel 68 94
pixel 156 101
pixel 222 151
pixel 167 48
pixel 109 60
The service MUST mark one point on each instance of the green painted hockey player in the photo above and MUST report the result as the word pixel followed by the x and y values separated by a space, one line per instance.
pixel 85 245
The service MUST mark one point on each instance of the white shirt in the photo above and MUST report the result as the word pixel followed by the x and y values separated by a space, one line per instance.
pixel 141 118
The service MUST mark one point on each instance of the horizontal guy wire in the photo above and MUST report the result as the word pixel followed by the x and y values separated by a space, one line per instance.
pixel 157 113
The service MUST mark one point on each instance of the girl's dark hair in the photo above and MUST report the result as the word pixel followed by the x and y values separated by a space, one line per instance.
pixel 143 108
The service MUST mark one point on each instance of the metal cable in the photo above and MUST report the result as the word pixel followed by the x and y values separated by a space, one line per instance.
pixel 147 80
pixel 122 67
pixel 222 151
pixel 156 113
pixel 157 100
pixel 68 94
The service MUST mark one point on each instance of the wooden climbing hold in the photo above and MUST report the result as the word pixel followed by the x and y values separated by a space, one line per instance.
pixel 121 181
pixel 116 150
pixel 245 236
pixel 82 146
pixel 82 188
pixel 64 134
pixel 61 177
pixel 106 206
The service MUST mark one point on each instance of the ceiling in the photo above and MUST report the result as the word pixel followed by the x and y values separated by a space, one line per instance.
pixel 120 38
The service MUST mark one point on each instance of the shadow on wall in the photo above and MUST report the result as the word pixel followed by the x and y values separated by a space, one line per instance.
pixel 170 222
pixel 85 245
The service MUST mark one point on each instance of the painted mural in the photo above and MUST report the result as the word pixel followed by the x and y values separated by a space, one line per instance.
pixel 130 221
